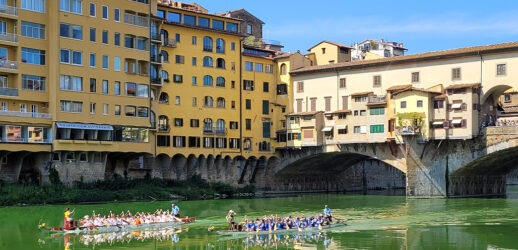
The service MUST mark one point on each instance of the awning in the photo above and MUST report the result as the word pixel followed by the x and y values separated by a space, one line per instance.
pixel 344 126
pixel 456 105
pixel 327 129
pixel 437 123
pixel 456 121
pixel 83 126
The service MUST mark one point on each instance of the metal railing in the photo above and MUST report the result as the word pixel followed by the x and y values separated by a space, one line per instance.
pixel 142 21
pixel 8 10
pixel 7 64
pixel 25 114
pixel 8 91
pixel 9 37
pixel 377 99
pixel 25 140
pixel 169 43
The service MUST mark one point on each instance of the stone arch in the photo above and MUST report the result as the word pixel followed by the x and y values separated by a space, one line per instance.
pixel 164 163
pixel 178 166
pixel 497 163
pixel 225 168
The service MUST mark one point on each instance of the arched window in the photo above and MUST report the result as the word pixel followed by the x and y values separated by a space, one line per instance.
pixel 165 56
pixel 220 82
pixel 164 98
pixel 164 35
pixel 220 103
pixel 207 125
pixel 164 75
pixel 220 46
pixel 220 63
pixel 283 69
pixel 207 44
pixel 207 80
pixel 208 102
pixel 220 126
pixel 207 61
pixel 163 123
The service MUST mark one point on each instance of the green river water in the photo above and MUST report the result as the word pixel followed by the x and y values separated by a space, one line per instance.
pixel 373 222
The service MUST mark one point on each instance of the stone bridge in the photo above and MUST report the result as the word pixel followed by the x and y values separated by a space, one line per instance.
pixel 443 168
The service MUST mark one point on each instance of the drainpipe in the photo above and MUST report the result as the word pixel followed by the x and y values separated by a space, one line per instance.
pixel 240 96
pixel 478 93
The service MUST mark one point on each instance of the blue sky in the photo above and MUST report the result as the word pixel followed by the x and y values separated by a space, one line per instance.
pixel 422 26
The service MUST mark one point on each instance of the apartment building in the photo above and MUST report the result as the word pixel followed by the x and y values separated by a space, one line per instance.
pixel 431 96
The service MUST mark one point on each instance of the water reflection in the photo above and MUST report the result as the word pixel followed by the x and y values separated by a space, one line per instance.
pixel 164 234
pixel 275 241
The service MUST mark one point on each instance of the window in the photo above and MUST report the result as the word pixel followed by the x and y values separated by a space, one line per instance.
pixel 266 87
pixel 194 80
pixel 33 56
pixel 233 125
pixel 194 102
pixel 93 85
pixel 117 15
pixel 258 67
pixel 282 89
pixel 105 12
pixel 343 83
pixel 74 83
pixel 105 87
pixel 194 61
pixel 92 60
pixel 105 62
pixel 299 105
pixel 129 41
pixel 117 39
pixel 249 66
pixel 194 40
pixel 74 6
pixel 105 36
pixel 220 46
pixel 117 63
pixel 92 9
pixel 188 19
pixel 231 27
pixel 92 35
pixel 33 83
pixel 142 44
pixel 220 63
pixel 438 104
pixel 207 44
pixel 207 61
pixel 419 103
pixel 218 24
pixel 34 30
pixel 71 106
pixel 300 87
pixel 163 141
pixel 117 110
pixel 117 88
pixel 327 103
pixel 179 59
pixel 266 107
pixel 313 103
pixel 71 31
pixel 131 89
pixel 71 57
pixel 195 123
pixel 92 108
pixel 377 111
pixel 179 141
pixel 455 74
pixel 283 69
pixel 130 110
pixel 233 46
pixel 323 50
pixel 376 82
pixel 266 129
pixel 415 77
pixel 500 69
pixel 363 112
pixel 376 129
pixel 33 5
pixel 249 29
pixel 178 122
pixel 177 78
pixel 207 80
pixel 248 104
pixel 248 85
pixel 208 102
pixel 403 104
pixel 173 17
pixel 220 82
pixel 248 124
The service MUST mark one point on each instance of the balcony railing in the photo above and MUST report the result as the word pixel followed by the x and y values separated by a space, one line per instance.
pixel 8 10
pixel 156 59
pixel 25 114
pixel 8 37
pixel 169 43
pixel 25 140
pixel 142 21
pixel 155 36
pixel 163 128
pixel 221 131
pixel 8 91
pixel 157 81
pixel 6 64
pixel 408 130
pixel 377 99
pixel 208 131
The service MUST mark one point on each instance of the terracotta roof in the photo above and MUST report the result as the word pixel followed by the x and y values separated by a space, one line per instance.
pixel 362 93
pixel 446 54
pixel 340 111
pixel 464 85
pixel 283 55
pixel 510 109
pixel 418 89
pixel 443 96
pixel 333 43
pixel 399 87
pixel 305 113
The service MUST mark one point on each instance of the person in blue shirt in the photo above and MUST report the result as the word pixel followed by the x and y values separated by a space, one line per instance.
pixel 175 210
pixel 328 216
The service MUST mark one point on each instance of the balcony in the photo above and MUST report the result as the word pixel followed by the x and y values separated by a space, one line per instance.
pixel 25 114
pixel 142 21
pixel 8 91
pixel 155 36
pixel 8 37
pixel 157 81
pixel 8 10
pixel 208 131
pixel 221 131
pixel 164 128
pixel 156 59
pixel 376 100
pixel 7 64
pixel 171 43
pixel 408 130
pixel 26 140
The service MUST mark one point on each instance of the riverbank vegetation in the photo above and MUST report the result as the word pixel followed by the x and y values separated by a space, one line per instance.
pixel 119 189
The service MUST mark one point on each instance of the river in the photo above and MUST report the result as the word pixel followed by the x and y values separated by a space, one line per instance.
pixel 373 222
